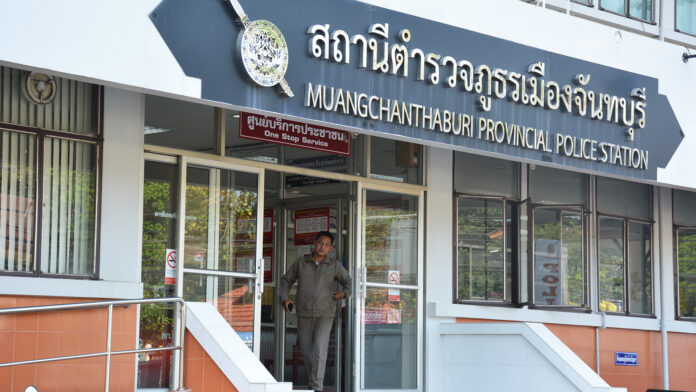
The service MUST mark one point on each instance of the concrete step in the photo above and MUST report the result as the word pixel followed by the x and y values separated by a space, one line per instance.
pixel 228 351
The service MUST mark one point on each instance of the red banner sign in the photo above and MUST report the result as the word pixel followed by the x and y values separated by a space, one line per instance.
pixel 268 245
pixel 382 316
pixel 293 133
pixel 308 223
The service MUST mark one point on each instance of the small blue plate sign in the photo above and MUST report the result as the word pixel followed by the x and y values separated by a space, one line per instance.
pixel 625 359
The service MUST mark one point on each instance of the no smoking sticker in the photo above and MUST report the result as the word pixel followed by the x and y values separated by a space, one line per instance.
pixel 170 267
pixel 394 294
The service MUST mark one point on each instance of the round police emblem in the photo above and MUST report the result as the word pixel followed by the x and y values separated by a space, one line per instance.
pixel 40 88
pixel 264 53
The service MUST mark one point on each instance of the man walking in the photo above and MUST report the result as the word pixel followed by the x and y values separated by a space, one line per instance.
pixel 316 302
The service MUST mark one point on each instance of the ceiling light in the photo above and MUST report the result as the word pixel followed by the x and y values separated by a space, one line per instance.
pixel 153 130
pixel 260 158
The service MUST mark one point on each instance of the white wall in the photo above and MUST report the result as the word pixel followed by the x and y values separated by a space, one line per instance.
pixel 497 363
pixel 121 209
pixel 512 357
pixel 113 42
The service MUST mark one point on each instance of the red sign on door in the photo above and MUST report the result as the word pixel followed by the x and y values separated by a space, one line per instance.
pixel 268 245
pixel 293 133
pixel 308 223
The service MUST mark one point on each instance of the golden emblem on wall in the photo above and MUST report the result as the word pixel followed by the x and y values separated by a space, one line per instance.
pixel 40 88
pixel 263 51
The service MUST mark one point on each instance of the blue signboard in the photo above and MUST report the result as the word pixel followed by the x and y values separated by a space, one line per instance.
pixel 362 67
pixel 625 359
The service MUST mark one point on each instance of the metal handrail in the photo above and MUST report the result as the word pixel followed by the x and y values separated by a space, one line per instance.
pixel 181 308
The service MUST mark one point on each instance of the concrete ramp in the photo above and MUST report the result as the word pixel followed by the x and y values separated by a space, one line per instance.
pixel 228 351
pixel 513 357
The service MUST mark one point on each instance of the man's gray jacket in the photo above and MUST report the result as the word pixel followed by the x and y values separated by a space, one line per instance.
pixel 315 285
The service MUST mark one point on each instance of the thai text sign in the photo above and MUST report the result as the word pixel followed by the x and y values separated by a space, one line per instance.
pixel 384 315
pixel 293 133
pixel 550 265
pixel 371 69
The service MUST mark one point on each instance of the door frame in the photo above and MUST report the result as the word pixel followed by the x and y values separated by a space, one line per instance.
pixel 361 285
pixel 333 201
pixel 182 162
pixel 352 368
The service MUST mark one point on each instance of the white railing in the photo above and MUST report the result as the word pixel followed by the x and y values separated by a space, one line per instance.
pixel 178 337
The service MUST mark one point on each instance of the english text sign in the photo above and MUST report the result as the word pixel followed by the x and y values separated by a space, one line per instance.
pixel 293 133
pixel 362 67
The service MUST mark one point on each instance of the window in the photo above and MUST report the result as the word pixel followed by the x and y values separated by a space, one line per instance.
pixel 486 193
pixel 637 9
pixel 559 257
pixel 684 204
pixel 535 251
pixel 48 178
pixel 394 160
pixel 686 16
pixel 624 246
pixel 483 249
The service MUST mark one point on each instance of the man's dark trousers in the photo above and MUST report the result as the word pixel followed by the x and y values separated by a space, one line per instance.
pixel 313 333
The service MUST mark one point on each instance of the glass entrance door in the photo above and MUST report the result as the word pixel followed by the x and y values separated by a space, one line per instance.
pixel 302 219
pixel 389 303
pixel 208 212
pixel 222 243
pixel 161 181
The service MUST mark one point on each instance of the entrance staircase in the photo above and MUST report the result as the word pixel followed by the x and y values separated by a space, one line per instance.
pixel 485 357
pixel 239 365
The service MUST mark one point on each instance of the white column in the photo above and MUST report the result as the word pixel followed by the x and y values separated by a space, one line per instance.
pixel 438 257
pixel 122 183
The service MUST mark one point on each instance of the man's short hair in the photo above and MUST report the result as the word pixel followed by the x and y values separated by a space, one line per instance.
pixel 325 234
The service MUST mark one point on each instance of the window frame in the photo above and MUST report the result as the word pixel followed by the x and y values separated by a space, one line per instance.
pixel 513 295
pixel 675 249
pixel 590 3
pixel 626 221
pixel 515 289
pixel 627 12
pixel 585 307
pixel 676 15
pixel 586 210
pixel 98 141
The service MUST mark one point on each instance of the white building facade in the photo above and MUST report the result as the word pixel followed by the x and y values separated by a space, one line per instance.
pixel 510 185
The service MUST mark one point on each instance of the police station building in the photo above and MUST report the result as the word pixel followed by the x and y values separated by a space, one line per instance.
pixel 511 185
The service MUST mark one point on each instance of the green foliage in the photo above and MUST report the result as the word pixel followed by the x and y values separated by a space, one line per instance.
pixel 687 272
pixel 237 233
pixel 480 250
pixel 158 233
